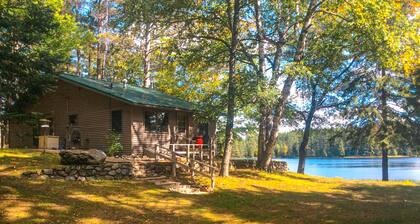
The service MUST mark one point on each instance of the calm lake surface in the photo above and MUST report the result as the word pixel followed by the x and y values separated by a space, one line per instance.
pixel 359 168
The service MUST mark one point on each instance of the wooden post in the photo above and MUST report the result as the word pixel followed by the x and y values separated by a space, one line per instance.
pixel 193 150
pixel 157 152
pixel 212 178
pixel 201 158
pixel 188 153
pixel 192 163
pixel 201 153
pixel 173 161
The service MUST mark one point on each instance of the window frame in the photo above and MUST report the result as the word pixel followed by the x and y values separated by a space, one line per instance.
pixel 75 118
pixel 163 127
pixel 115 129
pixel 184 117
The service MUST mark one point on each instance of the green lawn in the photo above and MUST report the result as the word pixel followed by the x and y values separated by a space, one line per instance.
pixel 246 197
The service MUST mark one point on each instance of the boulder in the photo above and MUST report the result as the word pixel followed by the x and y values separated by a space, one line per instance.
pixel 82 157
pixel 47 171
pixel 30 174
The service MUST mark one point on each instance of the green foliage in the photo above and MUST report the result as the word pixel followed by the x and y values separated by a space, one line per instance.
pixel 35 39
pixel 114 144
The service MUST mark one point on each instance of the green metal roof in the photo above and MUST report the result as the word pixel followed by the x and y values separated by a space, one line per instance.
pixel 130 94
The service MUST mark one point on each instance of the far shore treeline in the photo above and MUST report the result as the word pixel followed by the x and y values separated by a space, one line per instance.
pixel 328 142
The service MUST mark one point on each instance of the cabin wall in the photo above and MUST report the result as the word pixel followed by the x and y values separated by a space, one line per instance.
pixel 94 117
pixel 93 112
pixel 142 138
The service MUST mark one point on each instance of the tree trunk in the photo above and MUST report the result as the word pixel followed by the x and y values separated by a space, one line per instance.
pixel 78 61
pixel 261 138
pixel 98 61
pixel 272 137
pixel 384 131
pixel 384 163
pixel 231 89
pixel 106 50
pixel 146 63
pixel 260 76
pixel 89 62
pixel 1 136
pixel 305 140
pixel 280 106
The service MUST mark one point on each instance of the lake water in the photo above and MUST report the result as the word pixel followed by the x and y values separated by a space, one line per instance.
pixel 360 168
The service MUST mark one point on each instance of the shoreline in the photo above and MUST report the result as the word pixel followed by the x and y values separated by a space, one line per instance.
pixel 350 157
pixel 345 157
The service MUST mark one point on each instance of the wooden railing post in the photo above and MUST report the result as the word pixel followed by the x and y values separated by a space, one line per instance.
pixel 173 161
pixel 201 158
pixel 157 152
pixel 212 178
pixel 193 150
pixel 192 165
pixel 188 153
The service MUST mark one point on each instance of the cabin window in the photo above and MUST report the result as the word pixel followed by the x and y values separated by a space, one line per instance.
pixel 116 121
pixel 156 121
pixel 73 120
pixel 181 122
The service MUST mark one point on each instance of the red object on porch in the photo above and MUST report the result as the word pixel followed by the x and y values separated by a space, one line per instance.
pixel 199 140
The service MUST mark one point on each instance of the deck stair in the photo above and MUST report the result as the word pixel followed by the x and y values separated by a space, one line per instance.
pixel 174 185
pixel 186 160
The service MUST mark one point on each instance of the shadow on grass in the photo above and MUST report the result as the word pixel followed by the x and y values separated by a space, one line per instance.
pixel 58 201
pixel 381 205
pixel 251 174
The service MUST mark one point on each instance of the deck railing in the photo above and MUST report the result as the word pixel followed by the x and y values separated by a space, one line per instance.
pixel 193 154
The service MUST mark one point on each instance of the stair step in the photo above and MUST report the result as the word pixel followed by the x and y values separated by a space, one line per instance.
pixel 187 190
pixel 154 178
pixel 161 183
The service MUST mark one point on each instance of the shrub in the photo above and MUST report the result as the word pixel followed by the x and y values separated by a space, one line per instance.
pixel 115 146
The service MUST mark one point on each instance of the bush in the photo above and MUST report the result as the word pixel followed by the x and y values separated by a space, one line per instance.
pixel 115 146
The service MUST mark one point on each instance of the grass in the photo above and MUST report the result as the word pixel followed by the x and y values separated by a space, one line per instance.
pixel 247 196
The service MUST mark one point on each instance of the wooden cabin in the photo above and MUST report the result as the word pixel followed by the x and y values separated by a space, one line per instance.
pixel 83 112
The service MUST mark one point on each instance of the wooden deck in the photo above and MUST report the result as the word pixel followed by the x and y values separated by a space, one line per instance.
pixel 196 159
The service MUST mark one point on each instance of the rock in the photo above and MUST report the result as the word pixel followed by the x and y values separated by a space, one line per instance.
pixel 112 173
pixel 115 166
pixel 89 167
pixel 275 166
pixel 43 177
pixel 82 157
pixel 81 178
pixel 70 178
pixel 62 173
pixel 28 173
pixel 124 171
pixel 118 170
pixel 107 177
pixel 82 173
pixel 47 171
